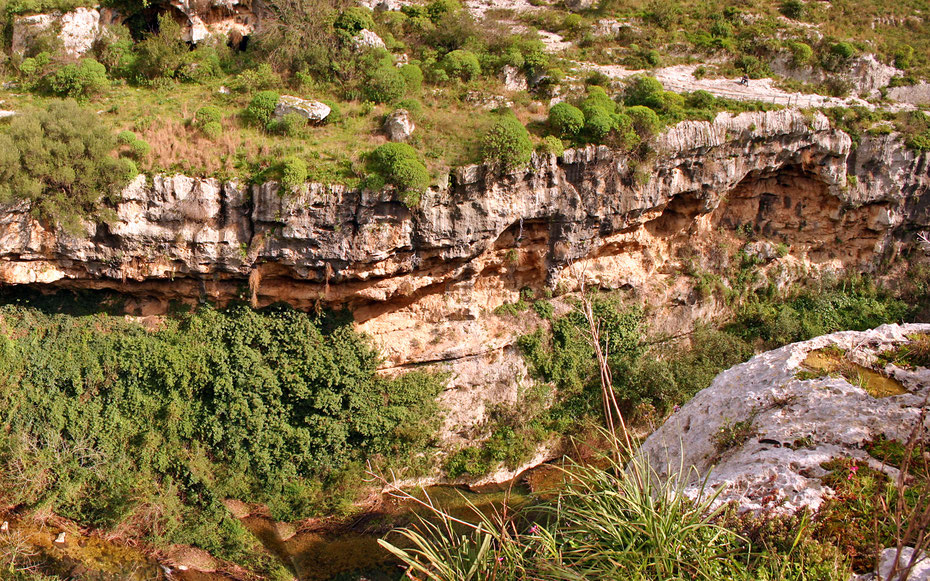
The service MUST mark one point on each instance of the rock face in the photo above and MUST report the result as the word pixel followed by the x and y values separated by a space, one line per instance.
pixel 312 111
pixel 423 282
pixel 398 125
pixel 865 75
pixel 792 424
pixel 233 19
pixel 77 29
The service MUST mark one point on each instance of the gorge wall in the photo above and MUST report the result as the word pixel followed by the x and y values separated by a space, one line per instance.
pixel 423 282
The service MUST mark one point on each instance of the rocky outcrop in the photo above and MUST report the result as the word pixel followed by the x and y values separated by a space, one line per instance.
pixel 864 75
pixel 398 126
pixel 312 111
pixel 761 433
pixel 423 282
pixel 77 29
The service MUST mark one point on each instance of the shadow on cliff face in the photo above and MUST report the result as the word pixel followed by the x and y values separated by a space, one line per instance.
pixel 62 301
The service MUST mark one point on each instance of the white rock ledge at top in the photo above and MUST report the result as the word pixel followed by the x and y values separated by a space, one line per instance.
pixel 832 418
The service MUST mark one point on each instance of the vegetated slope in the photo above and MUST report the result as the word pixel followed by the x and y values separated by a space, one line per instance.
pixel 142 428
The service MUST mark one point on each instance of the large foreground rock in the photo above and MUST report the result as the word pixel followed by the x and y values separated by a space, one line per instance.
pixel 797 425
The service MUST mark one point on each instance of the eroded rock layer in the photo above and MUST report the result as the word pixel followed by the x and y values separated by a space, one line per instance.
pixel 423 282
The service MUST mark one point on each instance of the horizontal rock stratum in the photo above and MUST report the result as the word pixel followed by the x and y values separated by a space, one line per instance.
pixel 423 282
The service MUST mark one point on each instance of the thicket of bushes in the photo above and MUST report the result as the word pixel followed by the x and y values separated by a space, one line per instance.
pixel 147 430
pixel 60 158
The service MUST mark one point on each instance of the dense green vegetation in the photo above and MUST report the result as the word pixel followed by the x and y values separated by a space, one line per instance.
pixel 146 430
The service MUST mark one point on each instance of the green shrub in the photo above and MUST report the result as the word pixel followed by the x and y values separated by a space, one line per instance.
pixel 843 50
pixel 597 98
pixel 565 120
pixel 293 173
pixel 208 114
pixel 904 57
pixel 261 108
pixel 60 158
pixel 645 121
pixel 291 125
pixel 801 53
pixel 273 407
pixel 212 130
pixel 752 66
pixel 437 9
pixel 461 64
pixel 261 78
pixel 386 84
pixel 598 125
pixel 551 145
pixel 354 19
pixel 700 99
pixel 507 142
pixel 81 80
pixel 793 9
pixel 139 149
pixel 645 91
pixel 413 76
pixel 126 137
pixel 399 165
pixel 160 55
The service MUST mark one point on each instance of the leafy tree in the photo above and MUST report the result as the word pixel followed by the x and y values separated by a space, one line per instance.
pixel 507 142
pixel 161 54
pixel 60 160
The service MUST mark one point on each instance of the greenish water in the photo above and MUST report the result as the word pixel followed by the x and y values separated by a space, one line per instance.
pixel 350 550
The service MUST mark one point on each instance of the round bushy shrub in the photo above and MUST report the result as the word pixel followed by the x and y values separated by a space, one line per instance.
pixel 385 84
pixel 212 130
pixel 551 145
pixel 565 120
pixel 354 19
pixel 139 149
pixel 261 109
pixel 293 173
pixel 507 142
pixel 646 122
pixel 208 114
pixel 598 125
pixel 700 99
pixel 81 80
pixel 843 50
pixel 125 137
pixel 644 91
pixel 412 178
pixel 461 64
pixel 801 53
pixel 399 164
pixel 413 76
pixel 598 99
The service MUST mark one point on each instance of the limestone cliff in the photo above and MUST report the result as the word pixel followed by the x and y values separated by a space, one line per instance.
pixel 423 282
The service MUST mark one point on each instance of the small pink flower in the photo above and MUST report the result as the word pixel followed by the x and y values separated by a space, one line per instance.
pixel 500 559
pixel 852 472
pixel 534 529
